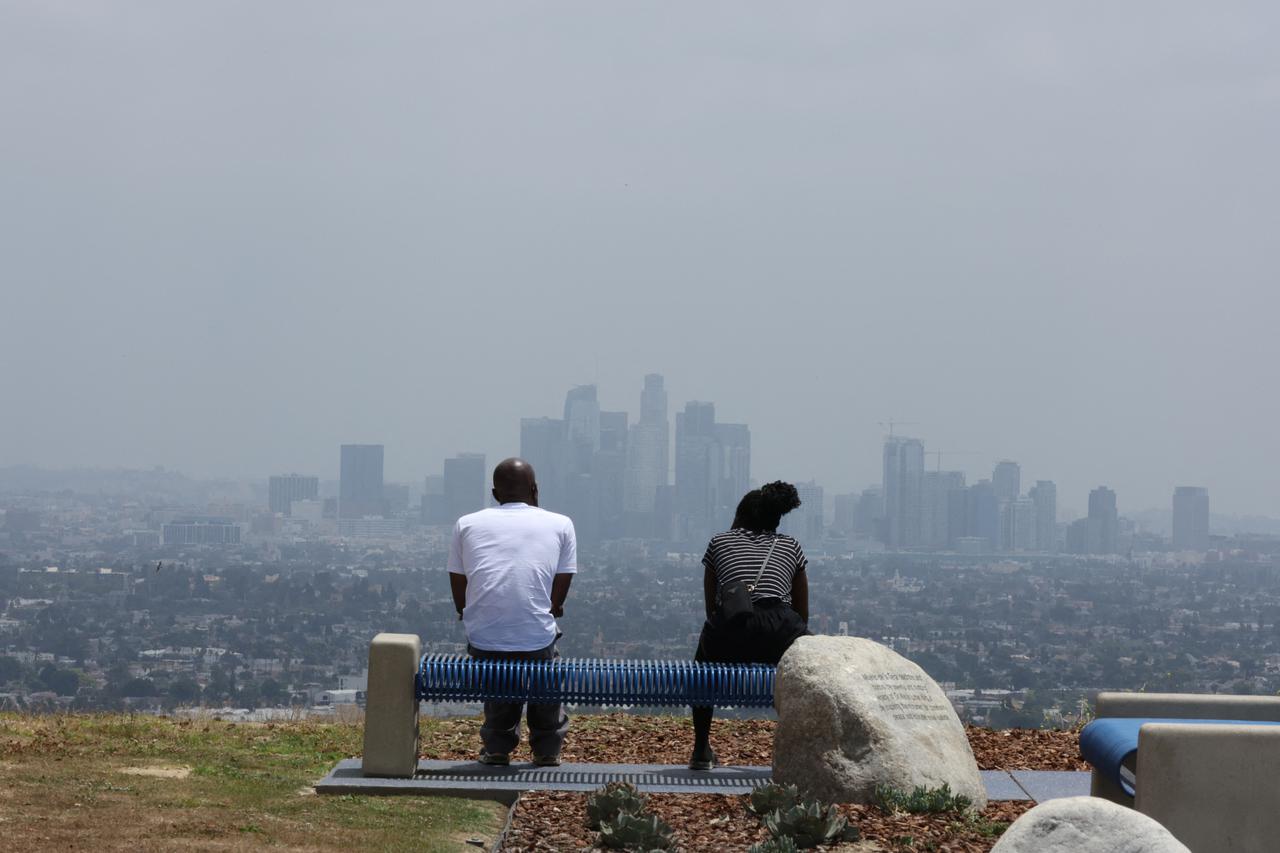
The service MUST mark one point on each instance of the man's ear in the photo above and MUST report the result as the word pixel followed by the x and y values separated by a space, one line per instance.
pixel 494 492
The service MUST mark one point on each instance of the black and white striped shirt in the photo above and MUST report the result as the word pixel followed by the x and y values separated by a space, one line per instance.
pixel 736 555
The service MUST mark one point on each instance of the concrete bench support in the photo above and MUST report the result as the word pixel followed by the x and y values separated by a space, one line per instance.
pixel 391 707
pixel 1214 786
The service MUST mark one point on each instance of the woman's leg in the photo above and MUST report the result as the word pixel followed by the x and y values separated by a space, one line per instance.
pixel 703 758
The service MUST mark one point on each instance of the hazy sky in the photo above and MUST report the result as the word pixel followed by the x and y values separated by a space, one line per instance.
pixel 234 235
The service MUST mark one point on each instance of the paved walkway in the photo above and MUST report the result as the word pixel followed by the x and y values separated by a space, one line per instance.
pixel 470 779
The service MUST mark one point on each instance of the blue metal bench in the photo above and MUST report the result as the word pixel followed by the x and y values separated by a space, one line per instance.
pixel 592 681
pixel 401 677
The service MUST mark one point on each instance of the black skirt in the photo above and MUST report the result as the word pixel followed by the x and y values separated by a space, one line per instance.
pixel 762 636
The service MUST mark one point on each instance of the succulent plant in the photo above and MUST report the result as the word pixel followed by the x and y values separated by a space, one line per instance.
pixel 635 832
pixel 782 844
pixel 921 800
pixel 808 824
pixel 611 800
pixel 773 797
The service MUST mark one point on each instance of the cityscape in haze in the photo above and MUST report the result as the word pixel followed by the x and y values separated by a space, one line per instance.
pixel 993 285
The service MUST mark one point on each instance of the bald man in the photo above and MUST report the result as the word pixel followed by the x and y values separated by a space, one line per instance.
pixel 509 569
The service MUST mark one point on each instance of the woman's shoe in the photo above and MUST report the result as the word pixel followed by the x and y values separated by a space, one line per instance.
pixel 704 760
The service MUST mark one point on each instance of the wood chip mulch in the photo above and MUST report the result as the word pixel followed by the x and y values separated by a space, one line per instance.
pixel 556 821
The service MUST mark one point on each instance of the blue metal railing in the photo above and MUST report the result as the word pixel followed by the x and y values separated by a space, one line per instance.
pixel 592 681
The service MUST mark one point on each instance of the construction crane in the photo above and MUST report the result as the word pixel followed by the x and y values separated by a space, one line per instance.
pixel 891 423
pixel 941 453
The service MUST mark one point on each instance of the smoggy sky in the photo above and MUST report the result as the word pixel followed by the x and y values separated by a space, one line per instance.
pixel 234 235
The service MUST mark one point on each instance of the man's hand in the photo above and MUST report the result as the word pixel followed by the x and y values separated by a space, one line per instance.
pixel 557 611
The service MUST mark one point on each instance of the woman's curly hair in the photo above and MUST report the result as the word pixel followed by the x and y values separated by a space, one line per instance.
pixel 762 509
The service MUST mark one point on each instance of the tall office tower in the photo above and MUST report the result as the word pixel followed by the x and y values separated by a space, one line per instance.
pixel 542 444
pixel 734 451
pixel 284 490
pixel 608 475
pixel 1045 495
pixel 1022 524
pixel 1006 479
pixel 464 484
pixel 648 451
pixel 433 508
pixel 903 488
pixel 936 506
pixel 1104 522
pixel 1190 518
pixel 582 425
pixel 983 514
pixel 697 472
pixel 845 513
pixel 396 498
pixel 360 481
pixel 805 523
pixel 868 522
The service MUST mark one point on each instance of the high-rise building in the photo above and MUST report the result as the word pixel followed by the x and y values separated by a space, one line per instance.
pixel 1190 518
pixel 1020 517
pixel 697 471
pixel 1006 479
pixel 360 484
pixel 734 463
pixel 805 523
pixel 282 491
pixel 983 515
pixel 543 442
pixel 608 475
pixel 464 484
pixel 396 498
pixel 582 426
pixel 937 506
pixel 845 513
pixel 903 492
pixel 433 508
pixel 1103 532
pixel 1045 495
pixel 868 521
pixel 648 451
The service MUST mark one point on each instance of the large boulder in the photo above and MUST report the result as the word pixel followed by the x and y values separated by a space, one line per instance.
pixel 853 714
pixel 1086 825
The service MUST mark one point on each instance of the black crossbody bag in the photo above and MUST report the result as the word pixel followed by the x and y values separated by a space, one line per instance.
pixel 735 597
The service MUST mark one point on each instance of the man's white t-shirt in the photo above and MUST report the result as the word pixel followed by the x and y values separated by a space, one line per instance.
pixel 510 554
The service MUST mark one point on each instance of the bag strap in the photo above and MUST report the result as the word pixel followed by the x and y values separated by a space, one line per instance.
pixel 767 558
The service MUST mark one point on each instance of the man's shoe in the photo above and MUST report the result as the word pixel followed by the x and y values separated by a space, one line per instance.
pixel 704 760
pixel 495 759
pixel 546 761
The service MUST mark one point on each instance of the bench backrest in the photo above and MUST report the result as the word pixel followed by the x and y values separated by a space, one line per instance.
pixel 591 681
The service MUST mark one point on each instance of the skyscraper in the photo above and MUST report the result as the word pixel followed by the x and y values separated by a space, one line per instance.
pixel 608 474
pixel 282 491
pixel 464 484
pixel 868 519
pixel 734 463
pixel 1006 479
pixel 903 492
pixel 1045 495
pixel 582 425
pixel 937 506
pixel 433 509
pixel 1190 518
pixel 806 522
pixel 648 450
pixel 360 481
pixel 543 444
pixel 697 471
pixel 983 514
pixel 1103 530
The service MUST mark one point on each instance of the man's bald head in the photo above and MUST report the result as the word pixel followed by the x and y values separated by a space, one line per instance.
pixel 514 482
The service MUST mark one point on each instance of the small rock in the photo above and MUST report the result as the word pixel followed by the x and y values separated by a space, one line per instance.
pixel 1086 825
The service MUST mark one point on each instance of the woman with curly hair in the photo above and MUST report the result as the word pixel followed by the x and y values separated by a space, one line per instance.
pixel 773 567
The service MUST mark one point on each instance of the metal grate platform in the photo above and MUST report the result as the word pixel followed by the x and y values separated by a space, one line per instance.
pixel 478 781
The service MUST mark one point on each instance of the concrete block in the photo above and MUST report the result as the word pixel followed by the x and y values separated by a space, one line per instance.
pixel 1213 787
pixel 391 707
pixel 1205 706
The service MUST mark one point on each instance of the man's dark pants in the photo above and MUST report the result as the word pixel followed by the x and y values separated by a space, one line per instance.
pixel 548 723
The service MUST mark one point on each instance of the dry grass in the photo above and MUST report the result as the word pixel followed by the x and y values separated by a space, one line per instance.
pixel 116 782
